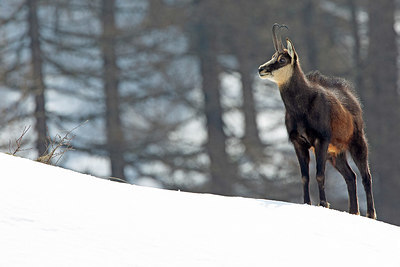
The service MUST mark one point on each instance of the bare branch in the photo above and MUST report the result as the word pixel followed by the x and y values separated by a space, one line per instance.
pixel 57 147
pixel 18 142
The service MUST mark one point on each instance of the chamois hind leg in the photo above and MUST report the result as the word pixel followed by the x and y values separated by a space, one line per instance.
pixel 359 152
pixel 321 153
pixel 341 164
pixel 303 157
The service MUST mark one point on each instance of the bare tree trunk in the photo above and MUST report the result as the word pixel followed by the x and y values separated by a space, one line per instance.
pixel 220 167
pixel 248 60
pixel 382 108
pixel 358 64
pixel 38 86
pixel 115 137
pixel 309 15
pixel 251 139
pixel 223 172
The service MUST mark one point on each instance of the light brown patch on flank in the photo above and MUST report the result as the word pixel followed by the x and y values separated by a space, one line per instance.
pixel 332 150
pixel 342 127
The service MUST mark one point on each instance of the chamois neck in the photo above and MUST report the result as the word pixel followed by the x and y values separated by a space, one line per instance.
pixel 298 79
pixel 296 92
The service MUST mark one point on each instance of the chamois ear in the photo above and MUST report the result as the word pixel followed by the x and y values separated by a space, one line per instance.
pixel 291 51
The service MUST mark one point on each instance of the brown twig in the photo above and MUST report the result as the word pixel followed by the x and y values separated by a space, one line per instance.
pixel 18 142
pixel 58 146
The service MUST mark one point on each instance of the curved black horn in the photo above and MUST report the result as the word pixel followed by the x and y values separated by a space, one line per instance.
pixel 278 40
pixel 280 37
pixel 274 37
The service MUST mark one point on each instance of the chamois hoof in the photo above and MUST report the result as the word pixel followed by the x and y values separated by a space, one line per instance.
pixel 355 211
pixel 371 215
pixel 324 204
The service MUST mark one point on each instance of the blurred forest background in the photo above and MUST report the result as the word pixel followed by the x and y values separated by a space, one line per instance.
pixel 165 92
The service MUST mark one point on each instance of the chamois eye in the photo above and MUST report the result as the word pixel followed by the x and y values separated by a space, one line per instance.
pixel 282 60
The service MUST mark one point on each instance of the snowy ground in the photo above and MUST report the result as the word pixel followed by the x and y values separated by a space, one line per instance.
pixel 50 216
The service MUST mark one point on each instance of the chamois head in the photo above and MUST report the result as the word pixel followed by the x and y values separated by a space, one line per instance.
pixel 280 68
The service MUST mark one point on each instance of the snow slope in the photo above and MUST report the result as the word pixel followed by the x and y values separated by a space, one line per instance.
pixel 50 216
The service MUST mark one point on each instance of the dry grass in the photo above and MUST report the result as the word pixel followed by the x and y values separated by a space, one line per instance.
pixel 56 147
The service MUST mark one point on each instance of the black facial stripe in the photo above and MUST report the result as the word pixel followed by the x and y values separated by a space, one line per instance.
pixel 277 65
pixel 274 63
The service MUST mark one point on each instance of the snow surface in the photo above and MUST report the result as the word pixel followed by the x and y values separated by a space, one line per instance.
pixel 51 216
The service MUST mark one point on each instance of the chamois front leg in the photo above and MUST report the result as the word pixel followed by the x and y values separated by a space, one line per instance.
pixel 321 151
pixel 303 157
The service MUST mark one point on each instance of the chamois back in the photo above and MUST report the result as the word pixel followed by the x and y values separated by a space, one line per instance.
pixel 341 88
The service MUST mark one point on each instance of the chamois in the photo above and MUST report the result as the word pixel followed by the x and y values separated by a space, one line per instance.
pixel 323 115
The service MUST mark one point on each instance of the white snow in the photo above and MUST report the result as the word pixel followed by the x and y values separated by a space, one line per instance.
pixel 50 216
